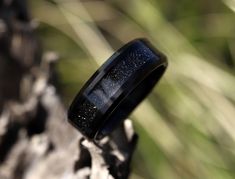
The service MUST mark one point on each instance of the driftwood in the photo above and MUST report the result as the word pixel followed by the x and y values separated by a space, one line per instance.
pixel 36 140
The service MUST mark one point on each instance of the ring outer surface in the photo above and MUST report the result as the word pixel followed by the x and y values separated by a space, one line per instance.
pixel 92 128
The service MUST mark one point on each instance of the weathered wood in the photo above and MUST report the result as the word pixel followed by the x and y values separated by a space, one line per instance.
pixel 35 139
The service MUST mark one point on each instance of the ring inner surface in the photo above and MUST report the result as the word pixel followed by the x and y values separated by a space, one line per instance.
pixel 131 100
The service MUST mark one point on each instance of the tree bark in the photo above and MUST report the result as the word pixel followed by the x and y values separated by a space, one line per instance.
pixel 35 139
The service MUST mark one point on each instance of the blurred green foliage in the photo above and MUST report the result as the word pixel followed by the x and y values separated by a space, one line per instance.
pixel 186 126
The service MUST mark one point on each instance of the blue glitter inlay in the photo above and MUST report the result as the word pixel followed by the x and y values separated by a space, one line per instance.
pixel 110 84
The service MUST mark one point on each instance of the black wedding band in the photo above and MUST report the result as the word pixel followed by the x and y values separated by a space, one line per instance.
pixel 116 88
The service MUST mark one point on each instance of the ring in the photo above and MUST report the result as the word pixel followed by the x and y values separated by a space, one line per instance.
pixel 116 88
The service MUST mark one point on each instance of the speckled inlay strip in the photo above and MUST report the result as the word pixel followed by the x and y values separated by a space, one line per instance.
pixel 110 84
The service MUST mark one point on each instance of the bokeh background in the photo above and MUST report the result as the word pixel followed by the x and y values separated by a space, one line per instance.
pixel 187 125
